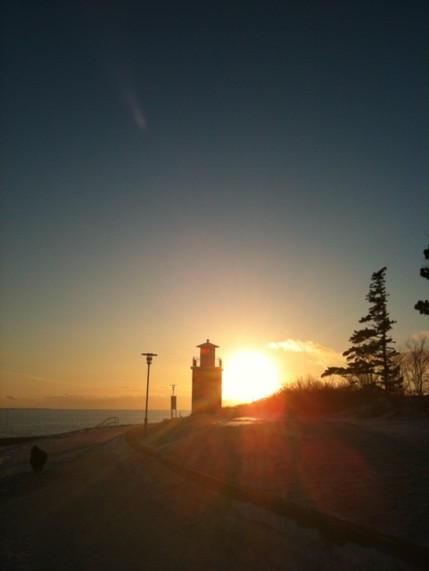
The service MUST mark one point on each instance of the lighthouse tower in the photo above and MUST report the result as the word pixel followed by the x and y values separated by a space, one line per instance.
pixel 206 380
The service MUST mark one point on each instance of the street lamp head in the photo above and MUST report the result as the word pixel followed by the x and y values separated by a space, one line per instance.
pixel 149 357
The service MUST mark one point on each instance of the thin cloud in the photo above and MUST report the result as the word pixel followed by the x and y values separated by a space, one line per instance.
pixel 9 375
pixel 315 351
pixel 30 377
pixel 132 101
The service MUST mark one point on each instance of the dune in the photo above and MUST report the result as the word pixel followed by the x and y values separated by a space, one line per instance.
pixel 103 502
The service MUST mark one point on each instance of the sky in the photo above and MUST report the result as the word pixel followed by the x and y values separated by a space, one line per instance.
pixel 178 171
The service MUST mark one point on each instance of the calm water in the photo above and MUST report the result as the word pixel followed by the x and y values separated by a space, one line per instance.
pixel 40 422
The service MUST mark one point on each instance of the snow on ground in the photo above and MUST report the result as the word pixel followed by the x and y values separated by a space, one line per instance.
pixel 102 505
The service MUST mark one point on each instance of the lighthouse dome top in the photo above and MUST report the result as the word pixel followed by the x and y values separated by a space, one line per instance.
pixel 208 344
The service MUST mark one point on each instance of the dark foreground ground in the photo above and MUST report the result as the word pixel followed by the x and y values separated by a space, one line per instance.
pixel 101 503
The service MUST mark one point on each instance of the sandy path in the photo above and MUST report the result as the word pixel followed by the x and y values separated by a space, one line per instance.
pixel 100 505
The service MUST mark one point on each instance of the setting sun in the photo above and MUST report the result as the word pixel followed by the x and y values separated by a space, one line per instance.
pixel 249 376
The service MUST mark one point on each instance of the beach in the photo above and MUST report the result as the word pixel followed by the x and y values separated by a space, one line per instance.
pixel 104 503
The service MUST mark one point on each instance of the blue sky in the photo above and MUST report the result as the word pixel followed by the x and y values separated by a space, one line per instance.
pixel 174 171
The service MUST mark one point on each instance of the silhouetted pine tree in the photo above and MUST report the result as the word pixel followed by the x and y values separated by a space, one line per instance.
pixel 371 358
pixel 423 306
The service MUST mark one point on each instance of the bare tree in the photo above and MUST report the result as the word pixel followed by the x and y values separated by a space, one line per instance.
pixel 414 362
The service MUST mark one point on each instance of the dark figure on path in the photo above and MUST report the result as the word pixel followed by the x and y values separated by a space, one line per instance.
pixel 38 459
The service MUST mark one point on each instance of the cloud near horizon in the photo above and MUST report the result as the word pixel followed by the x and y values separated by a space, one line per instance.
pixel 416 336
pixel 79 401
pixel 28 377
pixel 319 354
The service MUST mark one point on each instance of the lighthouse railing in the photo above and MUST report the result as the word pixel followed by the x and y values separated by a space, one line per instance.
pixel 196 362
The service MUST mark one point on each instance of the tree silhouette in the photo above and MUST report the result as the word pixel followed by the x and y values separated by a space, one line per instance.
pixel 423 306
pixel 372 361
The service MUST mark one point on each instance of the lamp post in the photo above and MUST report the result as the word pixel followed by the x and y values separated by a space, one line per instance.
pixel 149 357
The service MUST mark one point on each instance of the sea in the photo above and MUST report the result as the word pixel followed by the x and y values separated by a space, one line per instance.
pixel 16 422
